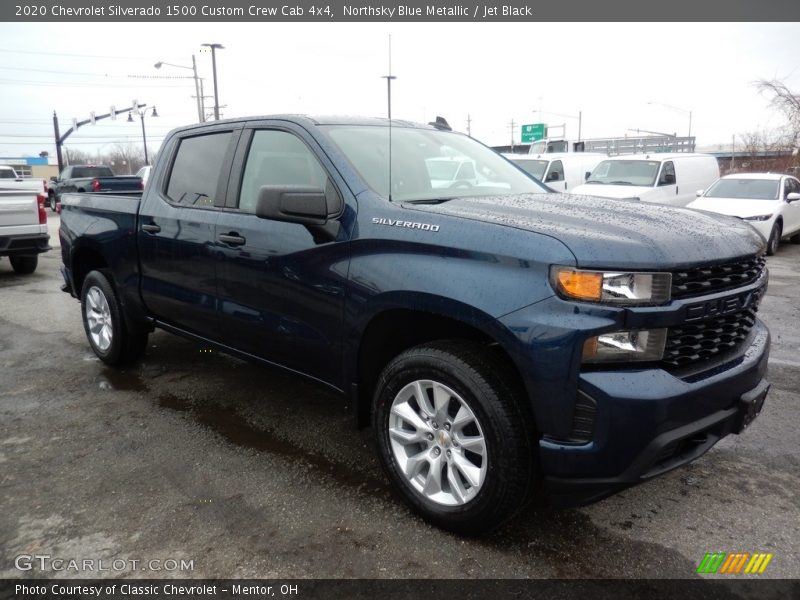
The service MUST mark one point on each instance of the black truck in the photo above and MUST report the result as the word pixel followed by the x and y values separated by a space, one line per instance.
pixel 505 343
pixel 89 178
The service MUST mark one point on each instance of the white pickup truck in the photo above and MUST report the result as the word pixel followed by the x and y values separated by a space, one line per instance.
pixel 23 221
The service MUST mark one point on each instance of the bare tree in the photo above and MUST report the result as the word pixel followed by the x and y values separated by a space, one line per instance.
pixel 787 102
pixel 125 159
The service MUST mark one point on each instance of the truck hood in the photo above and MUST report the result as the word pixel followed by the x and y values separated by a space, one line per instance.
pixel 608 233
pixel 737 207
pixel 605 190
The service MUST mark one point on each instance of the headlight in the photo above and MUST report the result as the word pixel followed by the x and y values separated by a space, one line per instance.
pixel 625 346
pixel 611 287
pixel 758 218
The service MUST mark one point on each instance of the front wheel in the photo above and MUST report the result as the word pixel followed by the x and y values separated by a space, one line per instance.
pixel 24 265
pixel 774 239
pixel 104 323
pixel 53 202
pixel 452 436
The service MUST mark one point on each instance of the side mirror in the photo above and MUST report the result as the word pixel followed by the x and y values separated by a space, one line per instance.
pixel 792 197
pixel 298 204
pixel 54 179
pixel 19 179
pixel 553 176
pixel 699 193
pixel 587 175
pixel 668 179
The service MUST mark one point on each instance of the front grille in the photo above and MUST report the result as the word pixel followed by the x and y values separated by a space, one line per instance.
pixel 704 340
pixel 708 280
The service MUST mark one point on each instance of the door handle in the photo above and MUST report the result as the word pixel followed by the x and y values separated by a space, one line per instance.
pixel 232 239
pixel 151 228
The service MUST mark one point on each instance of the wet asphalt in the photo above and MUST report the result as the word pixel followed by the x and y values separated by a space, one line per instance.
pixel 251 472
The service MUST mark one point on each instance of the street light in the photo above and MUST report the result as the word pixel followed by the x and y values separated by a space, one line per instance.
pixel 214 48
pixel 141 114
pixel 197 85
pixel 683 110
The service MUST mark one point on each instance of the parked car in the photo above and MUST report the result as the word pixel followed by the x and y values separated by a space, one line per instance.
pixel 89 178
pixel 662 178
pixel 770 202
pixel 10 180
pixel 561 172
pixel 23 223
pixel 502 344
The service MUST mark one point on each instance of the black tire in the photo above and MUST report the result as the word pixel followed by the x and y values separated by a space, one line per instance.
pixel 52 202
pixel 125 345
pixel 774 239
pixel 24 265
pixel 482 382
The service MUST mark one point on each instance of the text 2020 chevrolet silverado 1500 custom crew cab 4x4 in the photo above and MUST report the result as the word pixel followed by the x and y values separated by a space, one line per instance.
pixel 504 342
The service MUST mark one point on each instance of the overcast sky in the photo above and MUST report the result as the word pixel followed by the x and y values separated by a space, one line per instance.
pixel 493 72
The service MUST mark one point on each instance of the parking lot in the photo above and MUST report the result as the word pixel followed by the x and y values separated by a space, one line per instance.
pixel 250 472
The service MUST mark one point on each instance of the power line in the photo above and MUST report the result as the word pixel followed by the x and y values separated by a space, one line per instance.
pixel 79 55
pixel 85 84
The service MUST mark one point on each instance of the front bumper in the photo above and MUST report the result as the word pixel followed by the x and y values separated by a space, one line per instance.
pixel 22 245
pixel 650 421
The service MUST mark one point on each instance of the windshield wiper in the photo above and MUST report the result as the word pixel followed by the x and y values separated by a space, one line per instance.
pixel 431 200
pixel 595 181
pixel 620 183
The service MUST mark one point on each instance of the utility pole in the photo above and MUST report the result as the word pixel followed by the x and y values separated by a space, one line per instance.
pixel 469 126
pixel 214 48
pixel 513 124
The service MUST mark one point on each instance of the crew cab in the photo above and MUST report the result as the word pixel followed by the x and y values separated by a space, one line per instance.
pixel 502 344
pixel 89 178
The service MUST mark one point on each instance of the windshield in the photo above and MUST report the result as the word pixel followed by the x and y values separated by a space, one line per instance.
pixel 625 172
pixel 534 167
pixel 7 174
pixel 750 189
pixel 422 159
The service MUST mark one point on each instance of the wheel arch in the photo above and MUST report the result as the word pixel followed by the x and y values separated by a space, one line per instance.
pixel 391 330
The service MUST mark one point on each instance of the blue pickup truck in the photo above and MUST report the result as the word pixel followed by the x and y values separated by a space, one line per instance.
pixel 505 343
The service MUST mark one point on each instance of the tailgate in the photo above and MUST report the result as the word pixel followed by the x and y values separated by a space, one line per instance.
pixel 18 208
pixel 108 184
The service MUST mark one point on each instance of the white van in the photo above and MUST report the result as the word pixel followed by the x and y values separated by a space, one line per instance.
pixel 560 171
pixel 663 178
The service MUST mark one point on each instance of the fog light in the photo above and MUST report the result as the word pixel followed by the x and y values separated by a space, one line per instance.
pixel 625 346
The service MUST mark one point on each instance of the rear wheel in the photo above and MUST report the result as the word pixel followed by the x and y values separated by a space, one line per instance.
pixel 104 323
pixel 52 200
pixel 452 437
pixel 774 239
pixel 24 265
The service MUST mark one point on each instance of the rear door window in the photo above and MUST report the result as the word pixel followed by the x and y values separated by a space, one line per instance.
pixel 196 170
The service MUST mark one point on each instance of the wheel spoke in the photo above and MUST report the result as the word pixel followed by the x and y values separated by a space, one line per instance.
pixel 473 443
pixel 456 487
pixel 470 472
pixel 433 484
pixel 406 437
pixel 441 400
pixel 415 463
pixel 409 415
pixel 422 399
pixel 463 416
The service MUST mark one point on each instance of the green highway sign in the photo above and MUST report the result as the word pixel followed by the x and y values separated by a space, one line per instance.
pixel 533 132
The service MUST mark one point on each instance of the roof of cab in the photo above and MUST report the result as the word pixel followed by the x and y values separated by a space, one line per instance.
pixel 313 120
pixel 660 156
